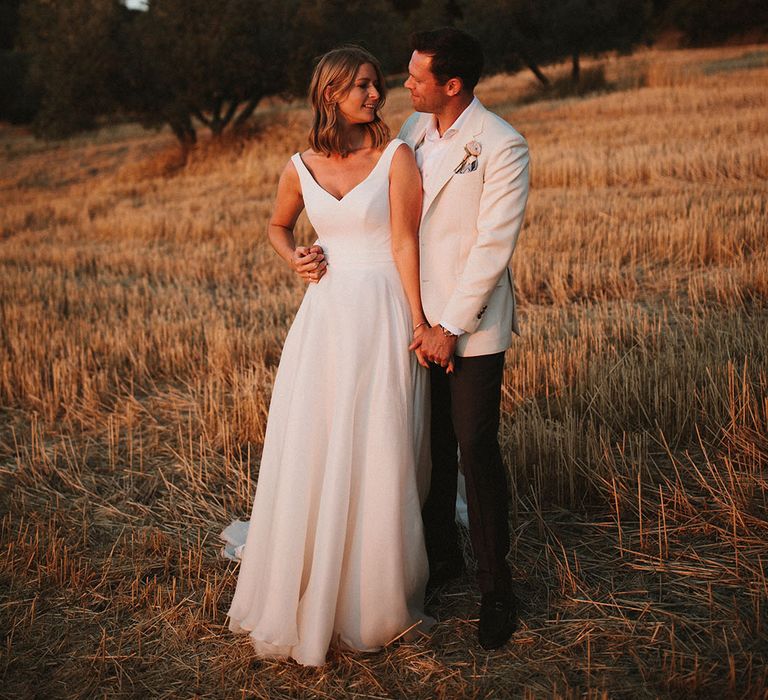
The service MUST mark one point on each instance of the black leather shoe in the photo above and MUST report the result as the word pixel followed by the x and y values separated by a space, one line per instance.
pixel 498 619
pixel 443 572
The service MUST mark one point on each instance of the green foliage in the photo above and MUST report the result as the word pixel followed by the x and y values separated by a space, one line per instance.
pixel 508 37
pixel 713 21
pixel 541 31
pixel 591 26
pixel 18 102
pixel 195 58
pixel 190 62
pixel 182 59
pixel 9 23
pixel 72 61
pixel 320 25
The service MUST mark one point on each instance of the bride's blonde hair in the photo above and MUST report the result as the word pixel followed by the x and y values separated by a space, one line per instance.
pixel 333 78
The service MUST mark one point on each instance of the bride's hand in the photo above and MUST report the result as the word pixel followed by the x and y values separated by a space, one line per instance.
pixel 416 344
pixel 309 262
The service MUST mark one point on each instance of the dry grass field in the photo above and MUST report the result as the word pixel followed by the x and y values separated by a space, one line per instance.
pixel 142 314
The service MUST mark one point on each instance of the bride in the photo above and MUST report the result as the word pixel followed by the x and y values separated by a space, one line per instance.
pixel 335 551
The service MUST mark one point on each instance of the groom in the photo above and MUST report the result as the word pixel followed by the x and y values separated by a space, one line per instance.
pixel 474 169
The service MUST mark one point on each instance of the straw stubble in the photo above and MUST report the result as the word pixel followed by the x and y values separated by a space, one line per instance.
pixel 143 315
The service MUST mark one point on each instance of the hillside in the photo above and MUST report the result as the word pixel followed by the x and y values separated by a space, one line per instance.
pixel 143 313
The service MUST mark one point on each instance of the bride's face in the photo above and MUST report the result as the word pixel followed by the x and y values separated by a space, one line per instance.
pixel 359 105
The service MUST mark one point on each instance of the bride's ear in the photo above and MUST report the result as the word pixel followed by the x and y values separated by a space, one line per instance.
pixel 328 96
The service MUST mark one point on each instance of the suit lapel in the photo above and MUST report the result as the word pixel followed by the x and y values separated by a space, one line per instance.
pixel 444 169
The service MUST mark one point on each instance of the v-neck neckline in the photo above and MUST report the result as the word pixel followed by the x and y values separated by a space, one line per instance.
pixel 359 184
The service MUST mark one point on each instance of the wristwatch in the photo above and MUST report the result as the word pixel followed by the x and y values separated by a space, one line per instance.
pixel 446 332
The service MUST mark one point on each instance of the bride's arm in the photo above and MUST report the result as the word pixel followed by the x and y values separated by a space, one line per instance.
pixel 306 261
pixel 405 215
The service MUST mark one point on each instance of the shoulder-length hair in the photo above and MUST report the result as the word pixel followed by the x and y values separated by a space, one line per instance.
pixel 333 78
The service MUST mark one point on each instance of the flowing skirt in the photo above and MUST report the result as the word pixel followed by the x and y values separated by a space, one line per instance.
pixel 335 547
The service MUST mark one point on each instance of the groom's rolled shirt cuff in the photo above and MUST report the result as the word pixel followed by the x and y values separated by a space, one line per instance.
pixel 452 329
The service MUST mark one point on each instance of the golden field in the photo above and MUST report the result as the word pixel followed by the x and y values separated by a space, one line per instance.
pixel 142 314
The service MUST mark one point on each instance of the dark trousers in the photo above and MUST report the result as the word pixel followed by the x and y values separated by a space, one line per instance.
pixel 465 412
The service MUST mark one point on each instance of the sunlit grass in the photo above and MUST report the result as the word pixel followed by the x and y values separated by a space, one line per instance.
pixel 142 314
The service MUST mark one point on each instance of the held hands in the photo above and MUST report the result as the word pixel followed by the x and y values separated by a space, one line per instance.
pixel 430 345
pixel 418 332
pixel 309 262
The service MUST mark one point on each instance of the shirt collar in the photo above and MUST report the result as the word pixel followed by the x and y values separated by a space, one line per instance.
pixel 434 135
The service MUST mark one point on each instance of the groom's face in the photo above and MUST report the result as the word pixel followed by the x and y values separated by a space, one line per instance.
pixel 427 95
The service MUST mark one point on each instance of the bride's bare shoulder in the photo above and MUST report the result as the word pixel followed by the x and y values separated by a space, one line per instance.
pixel 403 156
pixel 309 156
pixel 289 180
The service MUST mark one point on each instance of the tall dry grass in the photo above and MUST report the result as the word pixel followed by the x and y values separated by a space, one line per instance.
pixel 141 318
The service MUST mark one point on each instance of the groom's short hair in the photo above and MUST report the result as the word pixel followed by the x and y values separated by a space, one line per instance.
pixel 455 54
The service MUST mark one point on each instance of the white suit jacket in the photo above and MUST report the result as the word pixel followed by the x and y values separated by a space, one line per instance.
pixel 470 222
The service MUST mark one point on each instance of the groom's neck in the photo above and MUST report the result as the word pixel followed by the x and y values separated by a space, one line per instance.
pixel 452 110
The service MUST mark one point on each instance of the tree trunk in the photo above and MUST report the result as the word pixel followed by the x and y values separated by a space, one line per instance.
pixel 233 105
pixel 203 119
pixel 246 113
pixel 217 125
pixel 534 68
pixel 184 132
pixel 218 122
pixel 576 69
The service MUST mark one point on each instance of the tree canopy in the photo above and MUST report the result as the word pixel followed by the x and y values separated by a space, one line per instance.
pixel 532 32
pixel 18 103
pixel 193 63
pixel 179 60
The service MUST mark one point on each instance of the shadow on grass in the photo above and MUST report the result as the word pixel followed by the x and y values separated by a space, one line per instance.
pixel 592 80
pixel 751 59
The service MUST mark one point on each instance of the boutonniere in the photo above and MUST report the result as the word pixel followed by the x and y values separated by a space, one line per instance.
pixel 472 150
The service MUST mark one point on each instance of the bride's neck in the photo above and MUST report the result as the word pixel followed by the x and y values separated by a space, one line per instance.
pixel 355 136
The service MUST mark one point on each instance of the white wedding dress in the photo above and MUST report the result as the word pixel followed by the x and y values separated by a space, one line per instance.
pixel 335 550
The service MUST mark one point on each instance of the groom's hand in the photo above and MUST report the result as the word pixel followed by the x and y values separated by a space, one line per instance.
pixel 309 262
pixel 437 347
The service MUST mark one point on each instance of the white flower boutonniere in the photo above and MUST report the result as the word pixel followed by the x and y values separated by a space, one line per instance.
pixel 472 149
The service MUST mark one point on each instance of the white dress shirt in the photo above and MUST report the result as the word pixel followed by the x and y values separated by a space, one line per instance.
pixel 429 154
